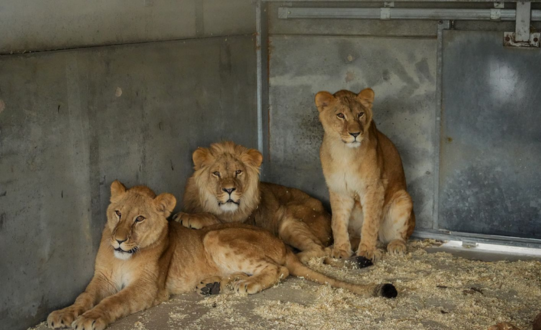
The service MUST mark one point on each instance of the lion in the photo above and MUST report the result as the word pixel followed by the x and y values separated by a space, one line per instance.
pixel 143 258
pixel 365 177
pixel 225 188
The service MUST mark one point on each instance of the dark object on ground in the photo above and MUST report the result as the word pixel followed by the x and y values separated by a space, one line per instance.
pixel 537 322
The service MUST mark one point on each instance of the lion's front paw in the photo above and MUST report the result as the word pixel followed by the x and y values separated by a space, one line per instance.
pixel 341 251
pixel 188 220
pixel 62 318
pixel 396 247
pixel 178 217
pixel 372 254
pixel 90 320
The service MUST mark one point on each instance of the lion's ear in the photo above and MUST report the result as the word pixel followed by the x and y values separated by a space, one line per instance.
pixel 165 203
pixel 117 189
pixel 201 158
pixel 252 157
pixel 366 96
pixel 323 100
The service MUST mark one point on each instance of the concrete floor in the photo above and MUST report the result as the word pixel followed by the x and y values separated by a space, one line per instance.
pixel 418 307
pixel 191 311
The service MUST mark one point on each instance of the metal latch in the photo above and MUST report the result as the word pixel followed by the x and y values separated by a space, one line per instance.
pixel 522 36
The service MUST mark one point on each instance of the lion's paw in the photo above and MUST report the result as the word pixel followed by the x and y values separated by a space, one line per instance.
pixel 341 252
pixel 188 221
pixel 90 321
pixel 372 254
pixel 178 217
pixel 62 318
pixel 397 247
pixel 209 286
pixel 248 286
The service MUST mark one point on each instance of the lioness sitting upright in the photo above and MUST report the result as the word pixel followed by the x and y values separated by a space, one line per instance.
pixel 142 259
pixel 225 188
pixel 365 177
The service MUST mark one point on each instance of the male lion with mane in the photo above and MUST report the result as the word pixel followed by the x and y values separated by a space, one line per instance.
pixel 143 258
pixel 225 188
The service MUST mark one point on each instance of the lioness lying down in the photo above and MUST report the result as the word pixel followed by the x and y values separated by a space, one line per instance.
pixel 142 259
pixel 225 188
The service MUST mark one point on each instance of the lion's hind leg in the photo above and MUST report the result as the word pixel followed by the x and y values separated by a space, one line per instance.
pixel 217 284
pixel 396 222
pixel 267 276
pixel 209 286
pixel 297 234
pixel 247 251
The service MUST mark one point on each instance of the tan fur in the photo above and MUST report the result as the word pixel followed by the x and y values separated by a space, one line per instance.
pixel 299 220
pixel 171 259
pixel 364 175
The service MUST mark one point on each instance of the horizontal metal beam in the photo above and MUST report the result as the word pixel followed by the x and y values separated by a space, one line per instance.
pixel 361 1
pixel 446 235
pixel 404 13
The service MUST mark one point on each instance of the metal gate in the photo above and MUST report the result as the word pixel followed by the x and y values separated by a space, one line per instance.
pixel 462 108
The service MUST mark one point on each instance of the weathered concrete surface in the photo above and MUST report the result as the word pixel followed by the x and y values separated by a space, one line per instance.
pixel 402 73
pixel 74 121
pixel 29 25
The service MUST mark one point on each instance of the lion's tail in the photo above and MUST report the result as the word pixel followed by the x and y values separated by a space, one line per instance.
pixel 298 269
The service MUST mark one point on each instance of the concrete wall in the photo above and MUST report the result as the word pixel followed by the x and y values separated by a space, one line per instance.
pixel 29 25
pixel 73 121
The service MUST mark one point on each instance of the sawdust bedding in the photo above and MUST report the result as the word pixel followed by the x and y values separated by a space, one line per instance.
pixel 436 291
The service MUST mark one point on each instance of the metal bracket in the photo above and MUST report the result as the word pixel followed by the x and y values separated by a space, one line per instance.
pixel 385 13
pixel 509 40
pixel 499 5
pixel 495 14
pixel 522 37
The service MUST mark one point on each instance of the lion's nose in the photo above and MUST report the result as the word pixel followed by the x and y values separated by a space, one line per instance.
pixel 120 241
pixel 355 134
pixel 229 190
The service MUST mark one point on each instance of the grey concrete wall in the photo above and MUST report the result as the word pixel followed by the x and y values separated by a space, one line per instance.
pixel 73 121
pixel 29 25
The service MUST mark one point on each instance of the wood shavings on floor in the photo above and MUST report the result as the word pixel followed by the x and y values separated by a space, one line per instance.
pixel 435 291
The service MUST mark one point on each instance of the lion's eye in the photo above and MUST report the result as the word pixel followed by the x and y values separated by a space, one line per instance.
pixel 217 174
pixel 140 218
pixel 118 213
pixel 340 115
pixel 238 172
pixel 361 114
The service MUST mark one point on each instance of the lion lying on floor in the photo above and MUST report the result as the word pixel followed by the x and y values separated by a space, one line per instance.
pixel 142 259
pixel 225 188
